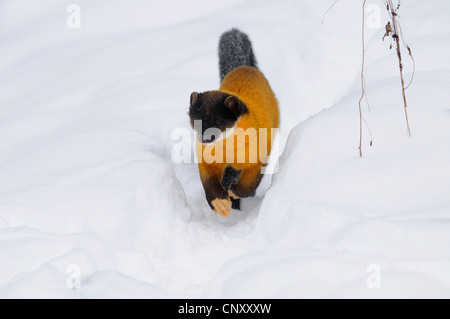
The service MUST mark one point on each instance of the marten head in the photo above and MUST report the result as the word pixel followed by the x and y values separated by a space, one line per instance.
pixel 218 112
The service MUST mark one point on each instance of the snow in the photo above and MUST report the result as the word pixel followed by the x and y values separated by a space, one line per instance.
pixel 86 119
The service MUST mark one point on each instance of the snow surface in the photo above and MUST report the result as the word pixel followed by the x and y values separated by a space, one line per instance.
pixel 86 117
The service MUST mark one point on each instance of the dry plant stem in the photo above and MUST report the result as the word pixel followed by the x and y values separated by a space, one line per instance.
pixel 362 79
pixel 329 9
pixel 414 72
pixel 399 55
pixel 410 55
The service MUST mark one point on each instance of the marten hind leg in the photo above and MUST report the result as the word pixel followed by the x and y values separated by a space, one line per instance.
pixel 248 183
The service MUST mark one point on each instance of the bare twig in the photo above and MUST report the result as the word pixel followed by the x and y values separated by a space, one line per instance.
pixel 396 36
pixel 329 9
pixel 410 55
pixel 367 97
pixel 363 86
pixel 414 69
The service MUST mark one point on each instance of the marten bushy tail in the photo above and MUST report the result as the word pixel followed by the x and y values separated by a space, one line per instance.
pixel 235 50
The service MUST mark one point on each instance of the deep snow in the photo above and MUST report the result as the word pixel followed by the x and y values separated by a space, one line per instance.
pixel 86 117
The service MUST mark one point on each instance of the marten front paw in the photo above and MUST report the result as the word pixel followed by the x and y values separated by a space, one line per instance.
pixel 232 195
pixel 222 206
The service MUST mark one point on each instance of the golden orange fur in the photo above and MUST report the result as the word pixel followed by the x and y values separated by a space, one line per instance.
pixel 253 89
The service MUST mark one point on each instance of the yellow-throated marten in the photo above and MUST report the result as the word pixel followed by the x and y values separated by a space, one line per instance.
pixel 245 102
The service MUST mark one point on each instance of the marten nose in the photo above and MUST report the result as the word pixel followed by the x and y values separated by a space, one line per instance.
pixel 209 140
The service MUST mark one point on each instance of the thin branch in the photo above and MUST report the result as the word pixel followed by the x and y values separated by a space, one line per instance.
pixel 410 55
pixel 369 130
pixel 396 37
pixel 329 9
pixel 363 87
pixel 366 96
pixel 414 69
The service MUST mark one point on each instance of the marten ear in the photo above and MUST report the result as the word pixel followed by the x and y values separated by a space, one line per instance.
pixel 235 105
pixel 194 98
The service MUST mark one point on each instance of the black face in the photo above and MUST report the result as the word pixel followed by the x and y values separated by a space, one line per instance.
pixel 217 112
